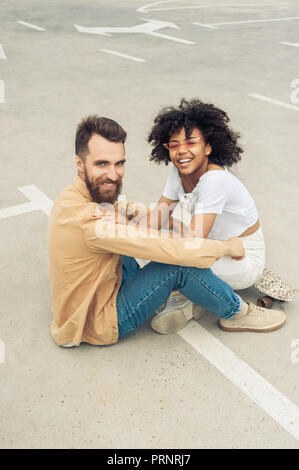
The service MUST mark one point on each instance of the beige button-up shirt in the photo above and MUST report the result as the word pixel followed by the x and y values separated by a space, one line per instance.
pixel 85 265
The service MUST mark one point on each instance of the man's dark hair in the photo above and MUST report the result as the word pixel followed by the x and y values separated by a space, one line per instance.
pixel 103 126
pixel 211 121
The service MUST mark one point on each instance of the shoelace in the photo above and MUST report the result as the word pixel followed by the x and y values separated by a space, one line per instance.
pixel 173 300
pixel 176 299
pixel 257 310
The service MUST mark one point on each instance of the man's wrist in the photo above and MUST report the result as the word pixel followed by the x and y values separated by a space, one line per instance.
pixel 226 247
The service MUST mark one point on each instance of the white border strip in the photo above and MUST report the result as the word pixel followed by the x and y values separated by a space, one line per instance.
pixel 125 56
pixel 258 389
pixel 272 101
pixel 30 25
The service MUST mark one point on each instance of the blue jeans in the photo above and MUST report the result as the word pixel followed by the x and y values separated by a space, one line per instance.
pixel 144 290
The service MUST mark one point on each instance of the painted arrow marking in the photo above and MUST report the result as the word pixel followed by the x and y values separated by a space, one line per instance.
pixel 38 202
pixel 149 27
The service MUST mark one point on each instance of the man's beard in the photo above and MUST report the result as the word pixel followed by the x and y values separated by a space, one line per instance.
pixel 106 196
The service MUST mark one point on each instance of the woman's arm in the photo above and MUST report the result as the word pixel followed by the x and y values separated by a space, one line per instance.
pixel 201 225
pixel 160 216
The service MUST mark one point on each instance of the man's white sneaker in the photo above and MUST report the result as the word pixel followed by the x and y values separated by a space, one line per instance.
pixel 257 319
pixel 175 313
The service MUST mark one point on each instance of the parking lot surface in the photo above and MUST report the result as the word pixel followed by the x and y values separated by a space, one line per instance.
pixel 202 388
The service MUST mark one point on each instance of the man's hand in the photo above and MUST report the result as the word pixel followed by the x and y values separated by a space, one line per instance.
pixel 108 215
pixel 236 248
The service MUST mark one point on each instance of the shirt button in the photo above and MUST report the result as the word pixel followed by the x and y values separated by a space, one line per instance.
pixel 113 304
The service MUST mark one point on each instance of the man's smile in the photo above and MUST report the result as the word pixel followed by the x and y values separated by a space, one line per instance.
pixel 108 185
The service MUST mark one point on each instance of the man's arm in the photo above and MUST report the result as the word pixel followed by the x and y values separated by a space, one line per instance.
pixel 159 246
pixel 160 216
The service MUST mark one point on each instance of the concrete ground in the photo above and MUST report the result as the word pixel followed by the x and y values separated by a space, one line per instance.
pixel 149 390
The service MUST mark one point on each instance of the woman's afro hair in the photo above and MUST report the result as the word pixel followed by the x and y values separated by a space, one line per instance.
pixel 210 120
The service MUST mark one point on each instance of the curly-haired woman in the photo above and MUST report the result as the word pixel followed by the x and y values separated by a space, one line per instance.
pixel 196 138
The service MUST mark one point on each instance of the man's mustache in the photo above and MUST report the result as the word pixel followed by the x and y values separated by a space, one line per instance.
pixel 108 181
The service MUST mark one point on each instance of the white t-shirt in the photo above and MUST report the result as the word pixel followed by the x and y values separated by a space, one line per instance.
pixel 217 192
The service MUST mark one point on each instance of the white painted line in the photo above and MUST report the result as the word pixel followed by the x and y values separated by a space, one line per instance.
pixel 206 25
pixel 272 101
pixel 258 389
pixel 295 44
pixel 2 53
pixel 248 21
pixel 147 8
pixel 38 28
pixel 141 10
pixel 36 195
pixel 125 56
pixel 38 201
pixel 19 209
pixel 171 38
pixel 2 91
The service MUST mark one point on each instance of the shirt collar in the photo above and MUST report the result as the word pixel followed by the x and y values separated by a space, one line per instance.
pixel 80 185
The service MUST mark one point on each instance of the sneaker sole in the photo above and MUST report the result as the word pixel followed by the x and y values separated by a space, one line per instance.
pixel 254 330
pixel 169 322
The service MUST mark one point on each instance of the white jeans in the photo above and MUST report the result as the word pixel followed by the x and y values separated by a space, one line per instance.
pixel 243 274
